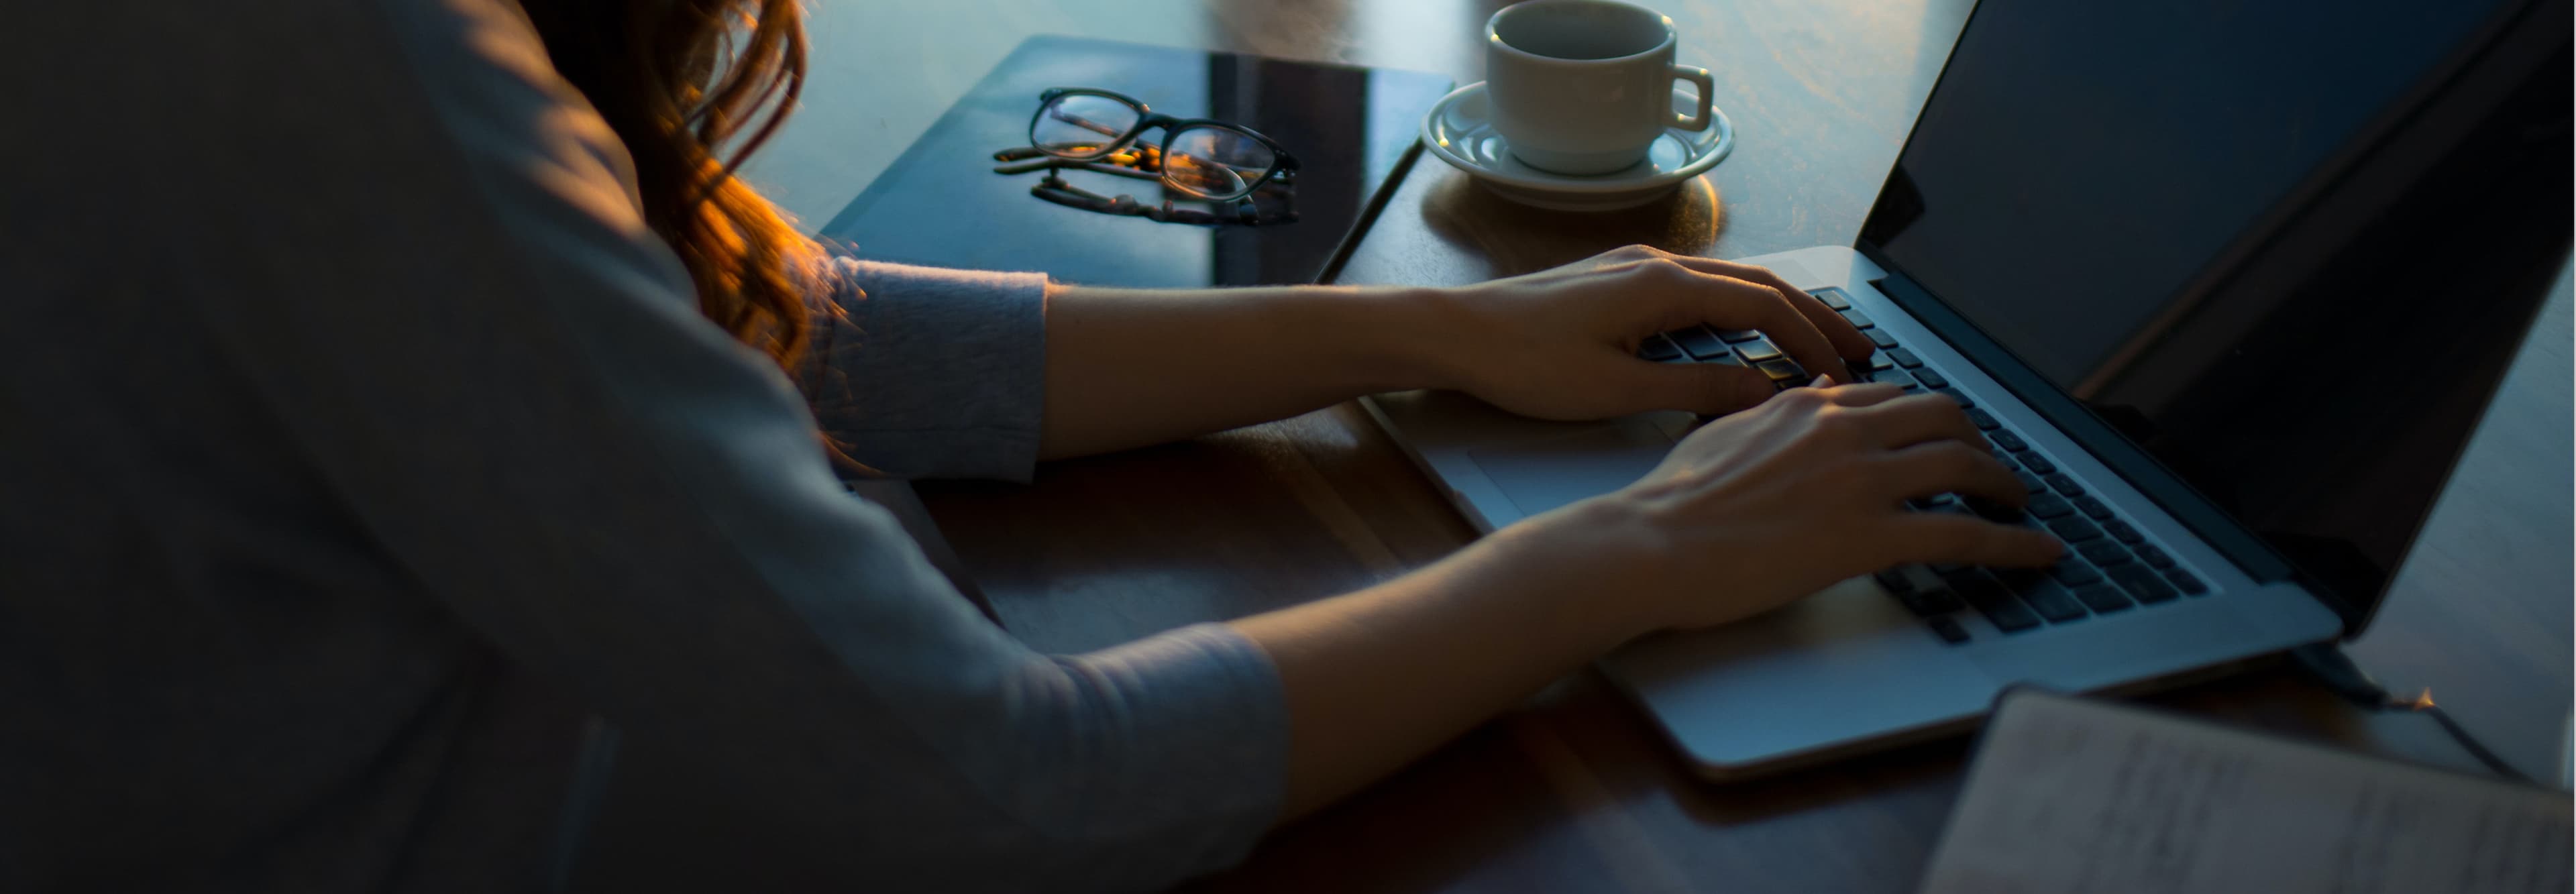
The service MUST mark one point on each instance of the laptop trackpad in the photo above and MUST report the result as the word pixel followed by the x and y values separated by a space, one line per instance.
pixel 1549 472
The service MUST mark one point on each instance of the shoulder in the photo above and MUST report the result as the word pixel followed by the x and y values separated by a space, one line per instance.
pixel 285 155
pixel 290 80
pixel 289 116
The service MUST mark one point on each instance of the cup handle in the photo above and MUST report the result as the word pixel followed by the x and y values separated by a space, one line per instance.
pixel 1707 86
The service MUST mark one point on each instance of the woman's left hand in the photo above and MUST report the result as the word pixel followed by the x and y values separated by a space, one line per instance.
pixel 1562 343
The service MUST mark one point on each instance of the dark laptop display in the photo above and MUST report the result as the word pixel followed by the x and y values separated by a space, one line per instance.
pixel 2379 251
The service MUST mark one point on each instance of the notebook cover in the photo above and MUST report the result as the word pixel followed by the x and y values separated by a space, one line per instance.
pixel 1352 130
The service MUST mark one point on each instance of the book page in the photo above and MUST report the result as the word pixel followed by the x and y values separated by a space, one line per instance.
pixel 2074 795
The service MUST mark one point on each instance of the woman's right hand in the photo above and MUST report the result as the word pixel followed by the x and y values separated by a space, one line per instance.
pixel 1753 510
pixel 1761 507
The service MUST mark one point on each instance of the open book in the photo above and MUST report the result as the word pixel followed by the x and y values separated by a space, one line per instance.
pixel 2077 795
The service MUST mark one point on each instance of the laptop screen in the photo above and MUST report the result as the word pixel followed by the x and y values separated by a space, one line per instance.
pixel 2085 177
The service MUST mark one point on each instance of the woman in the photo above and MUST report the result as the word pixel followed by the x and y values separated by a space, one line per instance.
pixel 398 393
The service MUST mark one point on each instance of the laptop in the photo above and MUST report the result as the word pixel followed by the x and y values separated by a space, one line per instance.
pixel 2228 285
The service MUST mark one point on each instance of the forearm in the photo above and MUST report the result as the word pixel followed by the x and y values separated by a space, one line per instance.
pixel 1126 368
pixel 1376 678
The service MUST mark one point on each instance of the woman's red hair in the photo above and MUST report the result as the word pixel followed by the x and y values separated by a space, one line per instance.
pixel 682 82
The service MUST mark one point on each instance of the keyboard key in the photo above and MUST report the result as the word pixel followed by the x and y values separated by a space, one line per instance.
pixel 1992 511
pixel 2064 483
pixel 1983 420
pixel 2054 602
pixel 2047 505
pixel 1659 349
pixel 2104 553
pixel 1949 630
pixel 1895 580
pixel 1953 394
pixel 2031 482
pixel 1928 603
pixel 2102 598
pixel 1977 587
pixel 2008 440
pixel 1832 298
pixel 2073 572
pixel 2121 531
pixel 1859 320
pixel 2019 580
pixel 2154 556
pixel 2010 465
pixel 1700 342
pixel 1930 379
pixel 2010 617
pixel 2037 464
pixel 1726 359
pixel 1735 335
pixel 1904 358
pixel 1991 600
pixel 1890 375
pixel 2182 580
pixel 2074 529
pixel 2093 506
pixel 2141 582
pixel 1782 371
pixel 1757 350
pixel 1880 338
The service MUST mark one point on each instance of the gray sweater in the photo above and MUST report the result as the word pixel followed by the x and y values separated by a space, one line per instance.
pixel 363 457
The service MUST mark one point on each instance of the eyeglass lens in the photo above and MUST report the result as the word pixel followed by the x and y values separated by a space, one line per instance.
pixel 1079 125
pixel 1215 162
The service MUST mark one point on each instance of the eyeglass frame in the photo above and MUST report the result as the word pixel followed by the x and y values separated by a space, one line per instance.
pixel 1054 188
pixel 1283 167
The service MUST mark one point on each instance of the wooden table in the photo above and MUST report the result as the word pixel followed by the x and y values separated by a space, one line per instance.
pixel 1574 792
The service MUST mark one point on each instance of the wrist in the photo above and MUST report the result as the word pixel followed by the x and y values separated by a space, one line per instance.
pixel 1419 335
pixel 1588 560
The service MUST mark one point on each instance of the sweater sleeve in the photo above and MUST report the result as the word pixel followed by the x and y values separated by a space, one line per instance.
pixel 455 307
pixel 931 373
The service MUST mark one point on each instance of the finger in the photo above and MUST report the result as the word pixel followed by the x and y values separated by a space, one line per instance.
pixel 1924 418
pixel 1847 339
pixel 1710 389
pixel 1730 303
pixel 1948 466
pixel 1804 339
pixel 1932 537
pixel 1862 395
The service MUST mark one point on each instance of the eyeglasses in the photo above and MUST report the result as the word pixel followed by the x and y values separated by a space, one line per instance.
pixel 1213 161
pixel 1271 202
pixel 1209 159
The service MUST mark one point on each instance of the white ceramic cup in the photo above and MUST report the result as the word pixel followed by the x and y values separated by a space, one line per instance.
pixel 1585 86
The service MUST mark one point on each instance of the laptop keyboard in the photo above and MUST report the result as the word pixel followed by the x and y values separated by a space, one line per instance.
pixel 2109 567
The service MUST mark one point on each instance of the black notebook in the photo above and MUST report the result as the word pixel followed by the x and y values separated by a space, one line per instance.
pixel 1351 129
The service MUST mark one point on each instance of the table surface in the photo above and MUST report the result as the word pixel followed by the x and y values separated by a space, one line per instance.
pixel 1574 791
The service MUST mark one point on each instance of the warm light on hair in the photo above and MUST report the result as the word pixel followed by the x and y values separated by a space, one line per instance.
pixel 682 81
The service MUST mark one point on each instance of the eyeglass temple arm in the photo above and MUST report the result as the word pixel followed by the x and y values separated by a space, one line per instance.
pixel 1050 163
pixel 1062 193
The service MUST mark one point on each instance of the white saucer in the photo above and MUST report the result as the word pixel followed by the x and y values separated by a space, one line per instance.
pixel 1460 130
